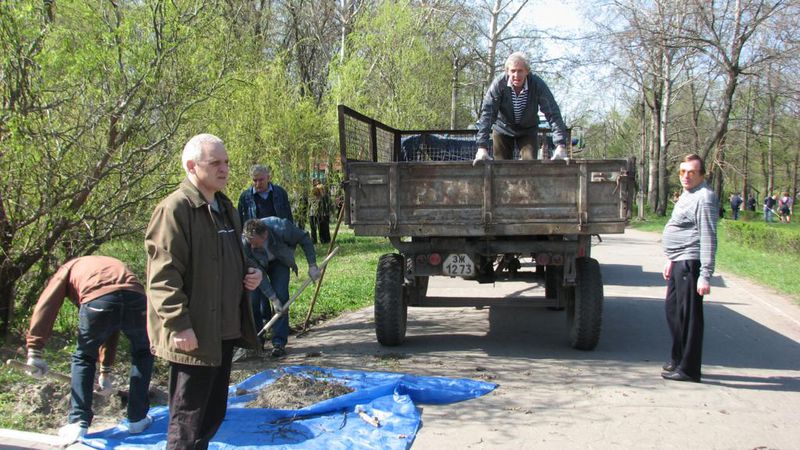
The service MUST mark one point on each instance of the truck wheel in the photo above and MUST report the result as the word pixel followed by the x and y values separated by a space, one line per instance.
pixel 391 312
pixel 585 308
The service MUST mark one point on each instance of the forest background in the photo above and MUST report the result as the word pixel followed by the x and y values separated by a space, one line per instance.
pixel 98 97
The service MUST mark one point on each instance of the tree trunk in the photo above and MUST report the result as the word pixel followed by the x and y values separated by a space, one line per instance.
pixel 663 135
pixel 655 157
pixel 770 147
pixel 745 157
pixel 454 93
pixel 643 154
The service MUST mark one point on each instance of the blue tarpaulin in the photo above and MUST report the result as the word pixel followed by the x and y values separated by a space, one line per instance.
pixel 330 424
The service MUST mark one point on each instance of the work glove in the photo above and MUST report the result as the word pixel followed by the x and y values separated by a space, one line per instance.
pixel 314 273
pixel 37 368
pixel 276 305
pixel 560 153
pixel 105 382
pixel 481 155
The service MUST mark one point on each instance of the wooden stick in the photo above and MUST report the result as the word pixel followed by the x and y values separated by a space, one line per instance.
pixel 322 275
pixel 372 420
pixel 305 284
pixel 22 367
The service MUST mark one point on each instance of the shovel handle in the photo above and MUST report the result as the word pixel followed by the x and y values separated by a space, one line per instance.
pixel 305 284
pixel 22 367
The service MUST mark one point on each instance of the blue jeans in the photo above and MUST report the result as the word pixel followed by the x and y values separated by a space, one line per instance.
pixel 97 321
pixel 279 279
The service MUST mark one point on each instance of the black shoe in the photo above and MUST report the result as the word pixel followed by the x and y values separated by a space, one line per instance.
pixel 669 367
pixel 278 352
pixel 678 375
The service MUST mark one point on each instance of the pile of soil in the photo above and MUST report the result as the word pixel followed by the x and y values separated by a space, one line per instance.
pixel 296 392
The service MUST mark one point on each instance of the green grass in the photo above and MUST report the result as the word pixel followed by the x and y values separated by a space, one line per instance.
pixel 774 267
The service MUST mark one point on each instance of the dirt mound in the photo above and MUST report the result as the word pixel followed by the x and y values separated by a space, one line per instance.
pixel 296 392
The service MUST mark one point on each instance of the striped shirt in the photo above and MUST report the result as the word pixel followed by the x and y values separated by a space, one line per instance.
pixel 691 233
pixel 520 100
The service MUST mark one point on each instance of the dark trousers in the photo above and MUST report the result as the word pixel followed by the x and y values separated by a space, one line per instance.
pixel 198 400
pixel 323 225
pixel 503 146
pixel 684 308
pixel 97 321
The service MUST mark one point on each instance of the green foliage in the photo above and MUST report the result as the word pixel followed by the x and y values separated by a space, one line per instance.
pixel 770 237
pixel 396 70
pixel 102 93
pixel 769 267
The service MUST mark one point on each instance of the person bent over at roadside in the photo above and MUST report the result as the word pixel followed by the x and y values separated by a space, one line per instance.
pixel 690 244
pixel 109 299
pixel 270 243
pixel 197 283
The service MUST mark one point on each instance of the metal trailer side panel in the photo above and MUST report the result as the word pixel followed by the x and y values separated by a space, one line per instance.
pixel 499 198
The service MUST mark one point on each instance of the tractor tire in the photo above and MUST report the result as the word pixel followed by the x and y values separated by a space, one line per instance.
pixel 585 307
pixel 391 311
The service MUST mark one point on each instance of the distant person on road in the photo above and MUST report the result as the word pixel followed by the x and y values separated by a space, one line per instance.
pixel 197 282
pixel 269 243
pixel 510 114
pixel 263 198
pixel 690 244
pixel 769 204
pixel 109 298
pixel 736 203
pixel 785 204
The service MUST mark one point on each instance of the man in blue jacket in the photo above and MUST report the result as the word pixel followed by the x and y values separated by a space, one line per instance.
pixel 264 198
pixel 269 243
pixel 510 114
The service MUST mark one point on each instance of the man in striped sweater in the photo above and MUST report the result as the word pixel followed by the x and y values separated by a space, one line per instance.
pixel 690 244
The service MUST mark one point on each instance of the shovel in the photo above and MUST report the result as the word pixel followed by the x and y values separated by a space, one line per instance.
pixel 281 311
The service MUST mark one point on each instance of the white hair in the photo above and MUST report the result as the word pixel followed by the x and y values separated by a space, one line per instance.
pixel 194 148
pixel 517 57
pixel 258 168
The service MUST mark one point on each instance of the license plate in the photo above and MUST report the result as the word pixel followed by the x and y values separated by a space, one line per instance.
pixel 458 265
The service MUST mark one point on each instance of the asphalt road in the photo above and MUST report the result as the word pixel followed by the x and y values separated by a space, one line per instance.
pixel 551 396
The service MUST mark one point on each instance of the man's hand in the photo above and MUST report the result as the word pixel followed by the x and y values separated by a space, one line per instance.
pixel 703 287
pixel 37 368
pixel 252 279
pixel 277 307
pixel 667 270
pixel 105 384
pixel 185 340
pixel 314 273
pixel 481 155
pixel 560 153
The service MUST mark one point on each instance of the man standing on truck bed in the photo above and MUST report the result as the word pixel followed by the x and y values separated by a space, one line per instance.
pixel 510 111
pixel 690 243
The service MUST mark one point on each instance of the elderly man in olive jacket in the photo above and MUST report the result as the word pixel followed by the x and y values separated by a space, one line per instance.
pixel 197 282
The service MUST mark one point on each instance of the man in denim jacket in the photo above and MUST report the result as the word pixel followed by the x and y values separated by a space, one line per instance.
pixel 264 198
pixel 270 244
